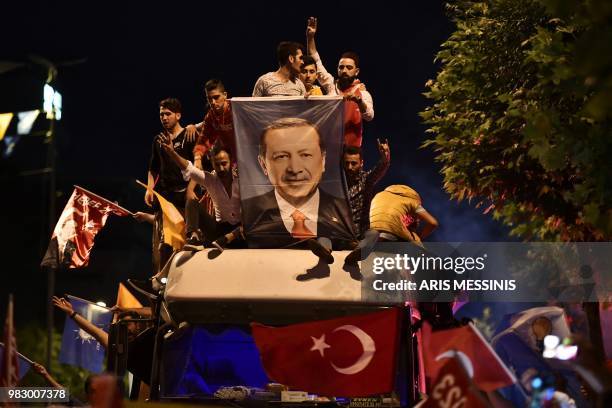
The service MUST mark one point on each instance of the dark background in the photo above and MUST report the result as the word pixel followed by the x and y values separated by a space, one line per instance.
pixel 137 53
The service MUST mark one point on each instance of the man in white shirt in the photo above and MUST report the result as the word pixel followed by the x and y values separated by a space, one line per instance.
pixel 285 80
pixel 223 186
pixel 292 156
pixel 359 103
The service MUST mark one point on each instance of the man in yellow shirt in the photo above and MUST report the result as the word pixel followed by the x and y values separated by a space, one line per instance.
pixel 308 76
pixel 395 215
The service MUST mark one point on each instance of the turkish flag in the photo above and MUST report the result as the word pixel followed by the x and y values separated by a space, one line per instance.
pixel 352 356
pixel 73 237
pixel 482 364
pixel 453 388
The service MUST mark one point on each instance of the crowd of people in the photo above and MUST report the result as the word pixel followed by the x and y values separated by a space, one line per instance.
pixel 195 168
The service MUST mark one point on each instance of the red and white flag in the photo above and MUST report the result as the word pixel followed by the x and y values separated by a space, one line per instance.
pixel 453 388
pixel 10 359
pixel 352 356
pixel 480 361
pixel 73 237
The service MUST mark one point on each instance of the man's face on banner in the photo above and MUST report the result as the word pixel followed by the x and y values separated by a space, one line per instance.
pixel 293 162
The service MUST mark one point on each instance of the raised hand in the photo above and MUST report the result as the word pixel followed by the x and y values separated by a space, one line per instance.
pixel 311 27
pixel 62 304
pixel 383 149
pixel 165 142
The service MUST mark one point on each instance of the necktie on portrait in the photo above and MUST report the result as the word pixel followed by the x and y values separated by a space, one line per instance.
pixel 299 229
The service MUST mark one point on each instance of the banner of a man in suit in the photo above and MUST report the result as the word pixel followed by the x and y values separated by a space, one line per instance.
pixel 291 181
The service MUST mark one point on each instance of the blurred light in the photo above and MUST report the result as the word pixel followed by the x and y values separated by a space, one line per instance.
pixel 536 383
pixel 163 280
pixel 548 353
pixel 550 341
pixel 52 102
pixel 549 394
pixel 566 352
pixel 103 304
pixel 48 92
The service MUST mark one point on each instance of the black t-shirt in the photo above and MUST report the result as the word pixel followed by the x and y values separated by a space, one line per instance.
pixel 167 173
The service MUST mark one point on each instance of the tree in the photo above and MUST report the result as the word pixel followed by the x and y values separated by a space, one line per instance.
pixel 521 114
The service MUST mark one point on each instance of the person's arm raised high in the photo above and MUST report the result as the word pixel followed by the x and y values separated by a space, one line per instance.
pixel 96 332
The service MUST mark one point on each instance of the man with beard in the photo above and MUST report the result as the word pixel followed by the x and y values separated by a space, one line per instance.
pixel 285 80
pixel 361 182
pixel 217 127
pixel 359 104
pixel 223 186
pixel 308 76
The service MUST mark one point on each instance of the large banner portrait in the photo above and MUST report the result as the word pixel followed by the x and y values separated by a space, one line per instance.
pixel 291 179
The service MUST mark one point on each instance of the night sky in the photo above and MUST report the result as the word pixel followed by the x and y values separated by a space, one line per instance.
pixel 137 54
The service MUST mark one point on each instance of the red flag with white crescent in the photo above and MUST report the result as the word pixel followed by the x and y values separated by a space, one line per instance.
pixel 352 356
pixel 483 365
pixel 73 237
pixel 453 388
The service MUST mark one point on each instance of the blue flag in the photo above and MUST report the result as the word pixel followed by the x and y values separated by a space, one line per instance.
pixel 24 363
pixel 79 348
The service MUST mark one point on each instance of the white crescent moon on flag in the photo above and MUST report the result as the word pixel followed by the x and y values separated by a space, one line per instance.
pixel 465 360
pixel 368 345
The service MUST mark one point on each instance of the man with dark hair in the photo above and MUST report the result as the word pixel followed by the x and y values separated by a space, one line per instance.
pixel 217 127
pixel 308 76
pixel 217 124
pixel 292 156
pixel 361 182
pixel 285 80
pixel 359 104
pixel 223 186
pixel 164 176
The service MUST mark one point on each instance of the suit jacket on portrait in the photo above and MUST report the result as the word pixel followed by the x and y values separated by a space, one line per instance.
pixel 264 227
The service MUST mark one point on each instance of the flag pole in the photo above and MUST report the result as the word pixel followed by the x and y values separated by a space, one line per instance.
pixel 51 164
pixel 87 301
pixel 20 355
pixel 103 199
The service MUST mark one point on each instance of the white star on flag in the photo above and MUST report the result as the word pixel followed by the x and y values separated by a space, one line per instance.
pixel 106 209
pixel 319 344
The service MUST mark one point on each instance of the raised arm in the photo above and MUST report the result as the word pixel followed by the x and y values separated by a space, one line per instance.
pixel 311 30
pixel 96 332
pixel 326 80
pixel 379 171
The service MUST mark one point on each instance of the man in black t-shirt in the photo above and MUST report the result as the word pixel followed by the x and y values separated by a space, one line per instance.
pixel 165 176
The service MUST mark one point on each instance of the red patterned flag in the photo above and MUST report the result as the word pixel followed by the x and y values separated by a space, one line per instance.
pixel 453 388
pixel 83 217
pixel 352 356
pixel 10 359
pixel 482 364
